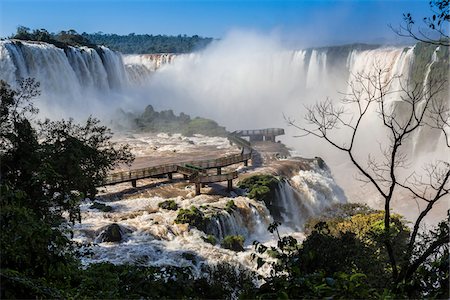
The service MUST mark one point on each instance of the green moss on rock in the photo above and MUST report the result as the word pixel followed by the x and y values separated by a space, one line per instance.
pixel 260 187
pixel 230 206
pixel 168 204
pixel 233 242
pixel 101 206
pixel 211 239
pixel 167 121
pixel 193 216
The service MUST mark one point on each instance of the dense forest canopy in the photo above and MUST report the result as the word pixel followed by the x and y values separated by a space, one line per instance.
pixel 146 43
pixel 127 44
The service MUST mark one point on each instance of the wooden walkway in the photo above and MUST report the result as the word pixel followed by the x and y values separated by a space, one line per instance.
pixel 194 171
pixel 267 134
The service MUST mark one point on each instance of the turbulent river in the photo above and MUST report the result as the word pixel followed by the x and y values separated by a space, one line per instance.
pixel 150 236
pixel 256 84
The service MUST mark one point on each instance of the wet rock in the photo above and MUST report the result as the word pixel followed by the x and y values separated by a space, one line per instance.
pixel 113 233
pixel 233 242
pixel 320 162
pixel 189 256
pixel 101 206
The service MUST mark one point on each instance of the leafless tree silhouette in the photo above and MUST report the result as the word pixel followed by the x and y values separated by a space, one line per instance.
pixel 436 29
pixel 421 106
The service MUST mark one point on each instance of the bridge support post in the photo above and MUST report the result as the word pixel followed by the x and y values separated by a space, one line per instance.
pixel 197 188
pixel 219 170
pixel 169 175
pixel 270 138
pixel 133 183
pixel 246 163
pixel 230 185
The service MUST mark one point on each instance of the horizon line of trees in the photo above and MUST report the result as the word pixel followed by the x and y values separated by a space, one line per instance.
pixel 127 44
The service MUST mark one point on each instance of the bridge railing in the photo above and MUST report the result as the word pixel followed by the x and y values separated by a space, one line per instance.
pixel 193 169
pixel 239 141
pixel 125 176
pixel 219 162
pixel 215 178
pixel 267 131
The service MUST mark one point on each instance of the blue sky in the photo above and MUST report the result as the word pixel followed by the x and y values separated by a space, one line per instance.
pixel 314 22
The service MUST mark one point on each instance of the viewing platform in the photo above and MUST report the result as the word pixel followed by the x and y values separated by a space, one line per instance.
pixel 197 171
pixel 267 134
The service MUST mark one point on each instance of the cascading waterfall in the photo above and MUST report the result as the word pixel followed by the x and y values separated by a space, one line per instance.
pixel 80 78
pixel 240 82
pixel 317 68
pixel 58 70
pixel 305 195
pixel 139 68
pixel 74 81
pixel 150 236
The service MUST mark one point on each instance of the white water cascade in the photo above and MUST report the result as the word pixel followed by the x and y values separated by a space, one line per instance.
pixel 84 81
pixel 150 236
pixel 239 85
pixel 74 81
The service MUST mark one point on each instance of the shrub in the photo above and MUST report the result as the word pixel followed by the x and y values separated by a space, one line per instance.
pixel 203 126
pixel 210 239
pixel 193 216
pixel 230 206
pixel 233 242
pixel 260 187
pixel 168 204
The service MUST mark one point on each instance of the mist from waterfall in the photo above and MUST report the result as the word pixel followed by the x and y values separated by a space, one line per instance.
pixel 243 81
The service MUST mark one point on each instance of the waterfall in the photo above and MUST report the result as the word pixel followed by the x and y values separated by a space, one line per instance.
pixel 59 70
pixel 247 219
pixel 434 59
pixel 305 195
pixel 84 81
pixel 88 67
pixel 317 69
pixel 139 68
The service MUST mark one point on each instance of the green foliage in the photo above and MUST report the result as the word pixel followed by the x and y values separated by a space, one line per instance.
pixel 16 285
pixel 45 173
pixel 260 187
pixel 423 54
pixel 81 155
pixel 203 126
pixel 28 244
pixel 316 286
pixel 193 216
pixel 168 204
pixel 230 206
pixel 338 213
pixel 211 239
pixel 101 206
pixel 167 121
pixel 108 281
pixel 144 43
pixel 432 276
pixel 127 44
pixel 63 39
pixel 344 256
pixel 233 242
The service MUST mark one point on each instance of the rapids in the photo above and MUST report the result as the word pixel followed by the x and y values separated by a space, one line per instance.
pixel 240 85
pixel 150 236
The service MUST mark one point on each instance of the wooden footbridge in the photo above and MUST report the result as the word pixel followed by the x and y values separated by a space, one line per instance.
pixel 267 134
pixel 194 171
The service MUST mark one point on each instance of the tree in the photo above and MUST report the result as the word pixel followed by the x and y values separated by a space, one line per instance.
pixel 369 95
pixel 44 175
pixel 437 25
